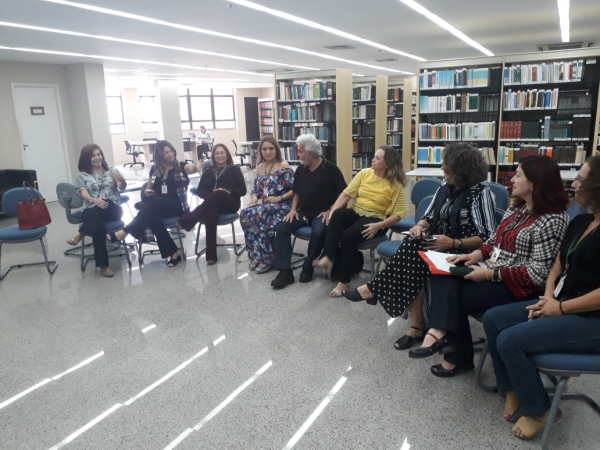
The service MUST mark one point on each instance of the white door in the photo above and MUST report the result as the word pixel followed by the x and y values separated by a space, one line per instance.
pixel 41 127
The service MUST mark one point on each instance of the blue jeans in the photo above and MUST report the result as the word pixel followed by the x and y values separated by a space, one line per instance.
pixel 513 341
pixel 283 241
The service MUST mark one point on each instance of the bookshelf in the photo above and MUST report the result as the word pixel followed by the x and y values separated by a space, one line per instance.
pixel 265 112
pixel 511 106
pixel 364 108
pixel 319 103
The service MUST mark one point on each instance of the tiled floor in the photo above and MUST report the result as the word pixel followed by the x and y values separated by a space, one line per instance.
pixel 283 354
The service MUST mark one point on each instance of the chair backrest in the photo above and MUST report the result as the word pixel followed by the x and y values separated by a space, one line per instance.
pixel 575 209
pixel 501 194
pixel 235 145
pixel 499 215
pixel 127 147
pixel 423 188
pixel 422 207
pixel 69 199
pixel 14 196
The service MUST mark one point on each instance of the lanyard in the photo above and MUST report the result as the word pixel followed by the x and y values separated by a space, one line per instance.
pixel 572 248
pixel 217 176
pixel 520 218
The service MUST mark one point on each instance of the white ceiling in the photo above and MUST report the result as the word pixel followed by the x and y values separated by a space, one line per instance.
pixel 507 26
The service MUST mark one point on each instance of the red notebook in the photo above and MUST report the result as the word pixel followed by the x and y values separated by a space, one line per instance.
pixel 435 271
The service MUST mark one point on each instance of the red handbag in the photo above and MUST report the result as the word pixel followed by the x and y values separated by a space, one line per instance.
pixel 32 213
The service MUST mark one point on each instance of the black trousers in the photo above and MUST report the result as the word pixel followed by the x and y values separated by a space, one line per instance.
pixel 344 230
pixel 152 215
pixel 453 299
pixel 94 225
pixel 202 150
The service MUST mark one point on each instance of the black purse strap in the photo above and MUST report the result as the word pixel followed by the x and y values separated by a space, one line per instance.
pixel 28 188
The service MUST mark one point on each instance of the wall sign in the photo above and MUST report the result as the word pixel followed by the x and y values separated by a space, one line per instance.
pixel 37 110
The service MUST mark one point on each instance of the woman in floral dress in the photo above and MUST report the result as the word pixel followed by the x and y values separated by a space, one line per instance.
pixel 269 203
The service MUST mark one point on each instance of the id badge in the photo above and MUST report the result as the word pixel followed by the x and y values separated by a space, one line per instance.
pixel 495 255
pixel 163 189
pixel 559 286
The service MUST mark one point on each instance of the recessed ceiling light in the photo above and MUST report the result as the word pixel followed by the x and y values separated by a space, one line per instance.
pixel 445 25
pixel 139 61
pixel 310 23
pixel 563 14
pixel 385 60
pixel 339 47
pixel 217 33
pixel 147 44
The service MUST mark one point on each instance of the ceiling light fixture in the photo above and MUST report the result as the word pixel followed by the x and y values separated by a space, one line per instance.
pixel 445 25
pixel 310 23
pixel 147 44
pixel 216 33
pixel 563 15
pixel 139 61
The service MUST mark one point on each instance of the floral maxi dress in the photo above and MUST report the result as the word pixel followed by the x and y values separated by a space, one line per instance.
pixel 259 221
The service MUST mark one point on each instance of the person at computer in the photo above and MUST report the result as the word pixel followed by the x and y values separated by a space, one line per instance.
pixel 205 139
pixel 165 196
pixel 317 185
pixel 565 319
pixel 99 186
pixel 379 203
pixel 270 202
pixel 221 186
pixel 516 262
pixel 460 217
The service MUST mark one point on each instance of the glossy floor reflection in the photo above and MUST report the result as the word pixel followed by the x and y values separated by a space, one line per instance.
pixel 211 357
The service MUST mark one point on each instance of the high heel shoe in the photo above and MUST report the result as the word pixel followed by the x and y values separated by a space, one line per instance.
pixel 173 261
pixel 406 341
pixel 441 345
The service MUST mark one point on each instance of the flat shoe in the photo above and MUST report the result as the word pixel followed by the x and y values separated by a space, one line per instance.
pixel 253 265
pixel 73 242
pixel 108 273
pixel 532 426
pixel 173 261
pixel 406 341
pixel 440 371
pixel 264 268
pixel 353 295
pixel 441 345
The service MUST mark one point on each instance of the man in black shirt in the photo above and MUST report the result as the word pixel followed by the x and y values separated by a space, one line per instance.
pixel 317 185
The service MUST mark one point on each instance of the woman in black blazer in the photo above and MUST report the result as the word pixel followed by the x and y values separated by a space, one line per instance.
pixel 221 186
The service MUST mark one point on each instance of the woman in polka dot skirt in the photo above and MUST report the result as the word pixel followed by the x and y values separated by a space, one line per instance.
pixel 461 217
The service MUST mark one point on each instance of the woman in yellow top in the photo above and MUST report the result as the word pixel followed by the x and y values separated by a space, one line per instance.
pixel 379 203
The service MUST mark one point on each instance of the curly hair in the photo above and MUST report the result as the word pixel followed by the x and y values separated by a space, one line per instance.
pixel 590 187
pixel 464 163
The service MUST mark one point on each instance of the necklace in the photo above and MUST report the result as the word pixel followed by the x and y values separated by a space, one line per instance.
pixel 218 175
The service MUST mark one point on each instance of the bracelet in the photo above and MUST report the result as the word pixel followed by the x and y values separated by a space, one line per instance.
pixel 496 276
pixel 486 275
pixel 560 307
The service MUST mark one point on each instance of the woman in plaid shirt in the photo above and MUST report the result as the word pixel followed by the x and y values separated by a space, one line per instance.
pixel 515 263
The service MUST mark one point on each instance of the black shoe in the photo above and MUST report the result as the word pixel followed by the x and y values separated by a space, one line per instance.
pixel 441 346
pixel 439 371
pixel 173 261
pixel 406 341
pixel 305 276
pixel 283 278
pixel 353 295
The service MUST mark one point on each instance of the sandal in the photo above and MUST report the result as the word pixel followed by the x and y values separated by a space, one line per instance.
pixel 173 261
pixel 512 404
pixel 253 264
pixel 336 293
pixel 532 426
pixel 73 242
pixel 107 272
pixel 112 237
pixel 406 341
pixel 264 268
pixel 326 268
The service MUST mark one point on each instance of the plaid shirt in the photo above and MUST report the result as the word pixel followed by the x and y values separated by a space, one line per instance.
pixel 529 245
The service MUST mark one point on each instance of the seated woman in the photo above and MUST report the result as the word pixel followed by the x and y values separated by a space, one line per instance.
pixel 379 195
pixel 269 204
pixel 166 191
pixel 566 319
pixel 222 186
pixel 460 217
pixel 516 261
pixel 97 184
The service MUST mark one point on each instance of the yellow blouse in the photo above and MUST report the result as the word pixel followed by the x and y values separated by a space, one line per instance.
pixel 376 197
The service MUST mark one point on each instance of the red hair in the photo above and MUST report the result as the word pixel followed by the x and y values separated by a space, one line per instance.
pixel 549 195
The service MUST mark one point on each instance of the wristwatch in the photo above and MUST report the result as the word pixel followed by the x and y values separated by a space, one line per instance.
pixel 496 276
pixel 460 243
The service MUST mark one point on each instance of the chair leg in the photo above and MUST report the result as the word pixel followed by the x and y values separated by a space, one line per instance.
pixel 372 254
pixel 237 249
pixel 562 384
pixel 479 370
pixel 198 241
pixel 378 268
pixel 181 246
pixel 2 275
pixel 126 250
pixel 50 265
pixel 140 253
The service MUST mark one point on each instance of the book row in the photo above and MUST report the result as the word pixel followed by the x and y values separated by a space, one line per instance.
pixel 363 146
pixel 266 112
pixel 320 113
pixel 563 155
pixel 394 125
pixel 547 99
pixel 554 72
pixel 363 111
pixel 458 78
pixel 362 129
pixel 395 110
pixel 321 90
pixel 395 95
pixel 323 132
pixel 364 92
pixel 547 129
pixel 464 102
pixel 458 131
pixel 361 162
pixel 394 139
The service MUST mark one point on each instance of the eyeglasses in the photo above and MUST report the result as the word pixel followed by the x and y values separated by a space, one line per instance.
pixel 221 154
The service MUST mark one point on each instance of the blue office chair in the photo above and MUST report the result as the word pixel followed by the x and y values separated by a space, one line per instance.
pixel 501 194
pixel 13 235
pixel 422 188
pixel 303 234
pixel 69 199
pixel 169 223
pixel 575 209
pixel 389 248
pixel 499 215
